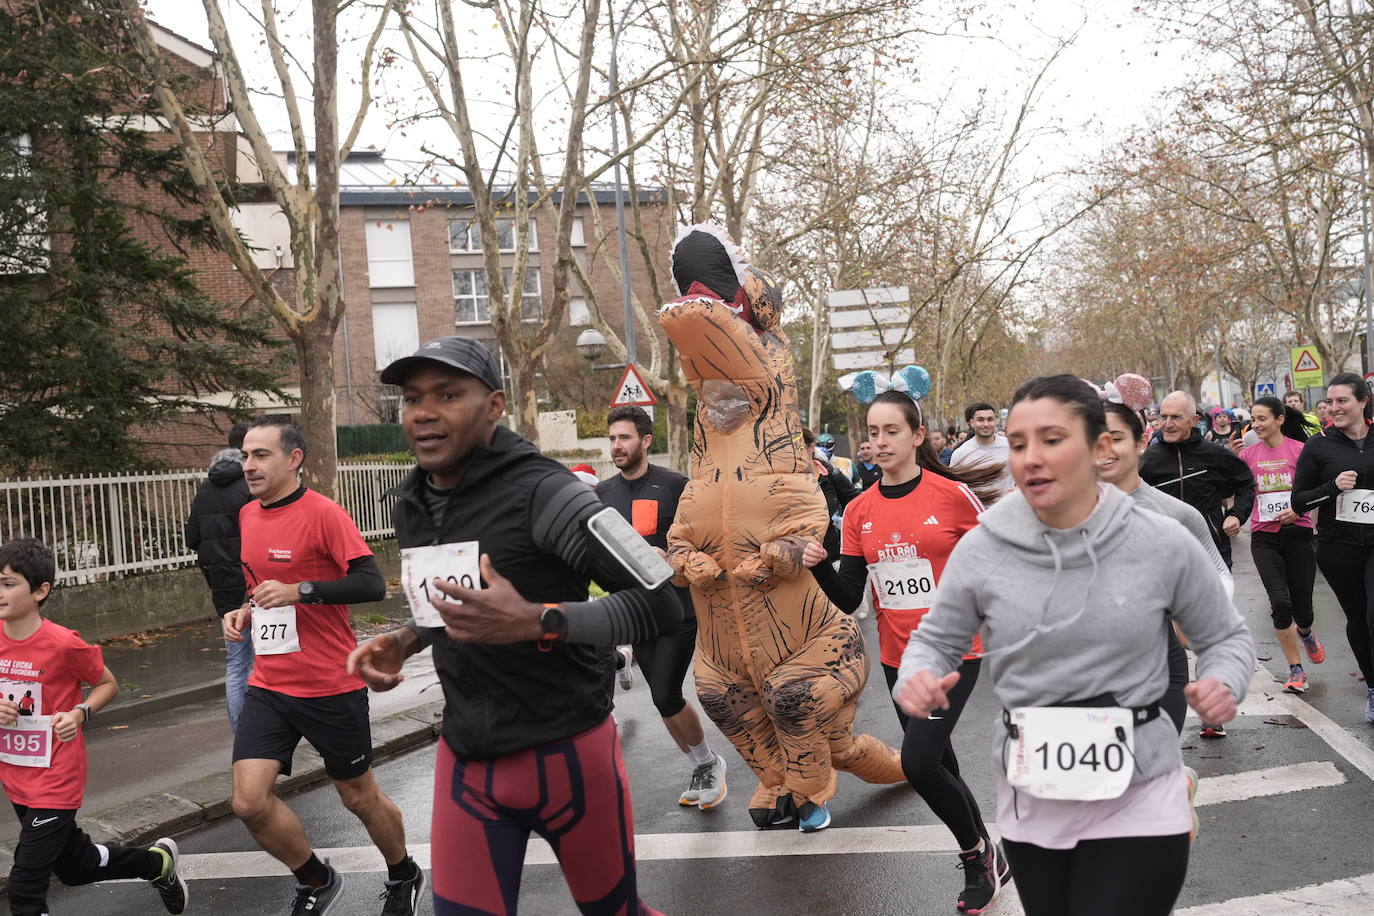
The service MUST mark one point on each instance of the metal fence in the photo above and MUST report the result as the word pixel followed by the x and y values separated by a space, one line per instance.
pixel 108 526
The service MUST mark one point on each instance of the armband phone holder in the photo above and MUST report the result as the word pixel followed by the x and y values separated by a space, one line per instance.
pixel 631 551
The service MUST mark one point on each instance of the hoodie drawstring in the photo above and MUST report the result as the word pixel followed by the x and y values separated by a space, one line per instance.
pixel 1040 626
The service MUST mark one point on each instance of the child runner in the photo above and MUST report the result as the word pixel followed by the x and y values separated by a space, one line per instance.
pixel 45 779
pixel 1092 797
pixel 904 529
pixel 1281 539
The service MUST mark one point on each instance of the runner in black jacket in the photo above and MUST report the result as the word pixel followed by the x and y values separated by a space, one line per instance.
pixel 1335 476
pixel 523 683
pixel 1200 473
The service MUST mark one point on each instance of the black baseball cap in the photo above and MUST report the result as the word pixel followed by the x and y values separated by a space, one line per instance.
pixel 461 353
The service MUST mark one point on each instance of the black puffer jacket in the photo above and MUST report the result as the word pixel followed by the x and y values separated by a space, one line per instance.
pixel 213 529
pixel 1203 475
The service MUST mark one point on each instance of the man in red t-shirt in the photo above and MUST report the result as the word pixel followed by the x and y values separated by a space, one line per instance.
pixel 305 563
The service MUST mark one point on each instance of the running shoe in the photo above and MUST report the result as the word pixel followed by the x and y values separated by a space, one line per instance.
pixel 1191 774
pixel 315 901
pixel 1369 704
pixel 625 673
pixel 812 817
pixel 985 871
pixel 400 898
pixel 1297 682
pixel 170 886
pixel 1316 652
pixel 707 788
pixel 1218 731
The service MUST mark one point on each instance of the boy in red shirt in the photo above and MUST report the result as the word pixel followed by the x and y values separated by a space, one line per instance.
pixel 45 664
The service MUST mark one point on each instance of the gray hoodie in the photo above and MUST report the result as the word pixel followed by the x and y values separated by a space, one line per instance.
pixel 1101 595
pixel 1156 500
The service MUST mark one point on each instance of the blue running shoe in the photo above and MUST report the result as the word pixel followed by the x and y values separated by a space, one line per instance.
pixel 813 817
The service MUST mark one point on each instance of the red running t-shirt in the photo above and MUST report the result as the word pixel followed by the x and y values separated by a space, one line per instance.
pixel 310 539
pixel 925 524
pixel 44 673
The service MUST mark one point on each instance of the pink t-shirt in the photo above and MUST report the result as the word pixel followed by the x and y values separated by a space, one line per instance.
pixel 1155 807
pixel 1273 472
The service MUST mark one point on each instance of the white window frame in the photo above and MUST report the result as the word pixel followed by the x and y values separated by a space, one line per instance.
pixel 472 233
pixel 482 300
pixel 579 233
pixel 384 358
pixel 574 303
pixel 389 271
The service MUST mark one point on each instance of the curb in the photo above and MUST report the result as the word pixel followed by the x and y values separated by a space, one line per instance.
pixel 207 799
pixel 122 713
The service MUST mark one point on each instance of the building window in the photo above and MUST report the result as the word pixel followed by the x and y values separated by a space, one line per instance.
pixel 389 404
pixel 579 316
pixel 466 235
pixel 395 331
pixel 471 304
pixel 579 233
pixel 24 245
pixel 388 253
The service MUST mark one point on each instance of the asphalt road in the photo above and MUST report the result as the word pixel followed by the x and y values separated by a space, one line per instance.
pixel 1285 804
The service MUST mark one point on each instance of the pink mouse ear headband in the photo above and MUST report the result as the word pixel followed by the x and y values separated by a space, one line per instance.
pixel 1134 391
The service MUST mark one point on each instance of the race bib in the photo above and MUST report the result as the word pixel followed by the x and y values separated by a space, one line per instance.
pixel 1071 753
pixel 29 743
pixel 274 630
pixel 905 585
pixel 1271 504
pixel 420 566
pixel 1355 506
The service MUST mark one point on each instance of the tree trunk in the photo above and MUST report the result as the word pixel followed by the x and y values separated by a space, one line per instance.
pixel 525 401
pixel 679 432
pixel 315 353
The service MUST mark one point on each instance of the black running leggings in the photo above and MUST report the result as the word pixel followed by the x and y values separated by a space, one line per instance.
pixel 1349 570
pixel 1123 876
pixel 1288 568
pixel 665 660
pixel 1174 702
pixel 929 763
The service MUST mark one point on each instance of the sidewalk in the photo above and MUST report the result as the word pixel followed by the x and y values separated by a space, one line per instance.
pixel 161 764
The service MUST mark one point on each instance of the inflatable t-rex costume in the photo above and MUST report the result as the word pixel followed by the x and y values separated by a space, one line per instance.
pixel 779 668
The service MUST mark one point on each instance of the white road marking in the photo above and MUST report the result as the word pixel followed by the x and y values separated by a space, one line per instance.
pixel 1346 897
pixel 739 844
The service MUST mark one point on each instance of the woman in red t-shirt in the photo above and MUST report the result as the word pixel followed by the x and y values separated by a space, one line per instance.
pixel 903 531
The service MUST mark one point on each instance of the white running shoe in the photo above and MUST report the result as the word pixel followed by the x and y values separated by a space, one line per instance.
pixel 626 675
pixel 707 788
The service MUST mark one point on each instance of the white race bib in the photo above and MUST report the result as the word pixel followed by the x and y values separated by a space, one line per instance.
pixel 1355 506
pixel 1073 753
pixel 420 566
pixel 29 743
pixel 274 630
pixel 1271 504
pixel 905 585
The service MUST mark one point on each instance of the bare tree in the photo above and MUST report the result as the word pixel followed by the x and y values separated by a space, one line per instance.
pixel 308 196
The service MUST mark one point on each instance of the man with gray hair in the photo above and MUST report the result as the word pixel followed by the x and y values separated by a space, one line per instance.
pixel 1202 474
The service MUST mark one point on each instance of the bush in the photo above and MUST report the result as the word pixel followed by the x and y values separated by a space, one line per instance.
pixel 371 439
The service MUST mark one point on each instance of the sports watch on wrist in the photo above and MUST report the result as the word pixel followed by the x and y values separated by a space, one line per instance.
pixel 307 590
pixel 552 621
pixel 86 713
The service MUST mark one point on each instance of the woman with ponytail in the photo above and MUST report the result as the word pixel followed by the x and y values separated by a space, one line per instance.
pixel 1335 476
pixel 903 529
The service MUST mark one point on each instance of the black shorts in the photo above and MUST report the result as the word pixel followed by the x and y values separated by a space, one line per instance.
pixel 272 724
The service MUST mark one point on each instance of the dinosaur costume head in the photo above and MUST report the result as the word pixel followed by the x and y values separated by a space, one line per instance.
pixel 726 328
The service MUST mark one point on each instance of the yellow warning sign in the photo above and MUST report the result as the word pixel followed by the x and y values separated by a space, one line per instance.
pixel 1307 367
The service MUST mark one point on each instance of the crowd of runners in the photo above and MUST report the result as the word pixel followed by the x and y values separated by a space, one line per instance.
pixel 1070 551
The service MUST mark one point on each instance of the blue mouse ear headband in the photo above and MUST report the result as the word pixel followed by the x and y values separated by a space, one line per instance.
pixel 867 385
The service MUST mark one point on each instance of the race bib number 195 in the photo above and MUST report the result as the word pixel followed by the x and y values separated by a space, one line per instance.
pixel 420 566
pixel 1073 753
pixel 29 743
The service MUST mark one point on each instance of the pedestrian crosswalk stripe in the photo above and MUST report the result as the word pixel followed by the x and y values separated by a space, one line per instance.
pixel 925 838
pixel 1345 897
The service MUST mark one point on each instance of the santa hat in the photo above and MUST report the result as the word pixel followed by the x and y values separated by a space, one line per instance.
pixel 585 473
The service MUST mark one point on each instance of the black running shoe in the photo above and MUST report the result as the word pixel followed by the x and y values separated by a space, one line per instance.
pixel 170 886
pixel 400 898
pixel 984 873
pixel 314 901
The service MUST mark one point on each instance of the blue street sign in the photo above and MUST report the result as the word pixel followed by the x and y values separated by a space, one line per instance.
pixel 1265 389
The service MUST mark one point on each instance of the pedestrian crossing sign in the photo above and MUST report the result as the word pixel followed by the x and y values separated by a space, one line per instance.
pixel 1307 367
pixel 632 391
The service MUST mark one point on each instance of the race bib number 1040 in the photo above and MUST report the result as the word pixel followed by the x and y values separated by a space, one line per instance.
pixel 1072 753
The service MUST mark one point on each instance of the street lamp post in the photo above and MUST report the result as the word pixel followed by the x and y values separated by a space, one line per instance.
pixel 1368 270
pixel 613 78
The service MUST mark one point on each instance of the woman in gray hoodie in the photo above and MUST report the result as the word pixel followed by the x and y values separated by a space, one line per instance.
pixel 1073 588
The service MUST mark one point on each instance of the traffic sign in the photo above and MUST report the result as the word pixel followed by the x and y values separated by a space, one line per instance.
pixel 632 391
pixel 1265 390
pixel 1307 367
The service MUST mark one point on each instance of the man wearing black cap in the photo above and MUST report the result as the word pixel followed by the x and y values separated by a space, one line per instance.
pixel 528 741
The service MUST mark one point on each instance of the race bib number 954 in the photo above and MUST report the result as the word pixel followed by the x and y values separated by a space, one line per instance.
pixel 1072 753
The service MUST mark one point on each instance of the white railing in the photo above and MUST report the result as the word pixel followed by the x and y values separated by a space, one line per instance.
pixel 106 526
